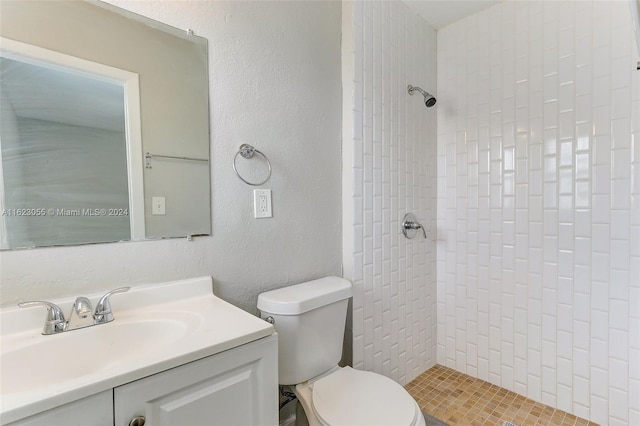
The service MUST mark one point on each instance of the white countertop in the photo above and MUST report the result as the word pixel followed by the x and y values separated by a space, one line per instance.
pixel 170 324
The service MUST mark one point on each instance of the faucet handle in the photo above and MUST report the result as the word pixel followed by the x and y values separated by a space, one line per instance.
pixel 55 322
pixel 103 308
pixel 410 226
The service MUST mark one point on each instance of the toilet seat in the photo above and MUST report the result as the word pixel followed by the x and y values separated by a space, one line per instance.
pixel 354 397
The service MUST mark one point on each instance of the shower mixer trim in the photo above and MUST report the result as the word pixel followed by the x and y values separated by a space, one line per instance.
pixel 410 226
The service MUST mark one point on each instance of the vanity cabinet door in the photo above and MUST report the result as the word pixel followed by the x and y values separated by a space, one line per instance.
pixel 235 387
pixel 95 410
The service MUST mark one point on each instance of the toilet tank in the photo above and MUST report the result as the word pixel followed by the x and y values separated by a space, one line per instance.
pixel 310 319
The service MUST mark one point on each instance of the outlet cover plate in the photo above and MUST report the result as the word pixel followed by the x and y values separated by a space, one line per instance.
pixel 262 203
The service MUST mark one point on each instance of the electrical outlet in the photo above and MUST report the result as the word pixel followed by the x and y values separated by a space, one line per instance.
pixel 262 203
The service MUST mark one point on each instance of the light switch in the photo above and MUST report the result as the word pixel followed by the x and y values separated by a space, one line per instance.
pixel 158 206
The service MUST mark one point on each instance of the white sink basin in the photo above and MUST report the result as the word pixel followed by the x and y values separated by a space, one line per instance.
pixel 30 363
pixel 156 327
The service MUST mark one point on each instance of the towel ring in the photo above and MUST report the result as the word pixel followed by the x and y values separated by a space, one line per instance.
pixel 247 151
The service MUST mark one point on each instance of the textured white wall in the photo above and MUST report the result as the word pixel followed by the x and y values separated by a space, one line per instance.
pixel 539 204
pixel 274 70
pixel 389 169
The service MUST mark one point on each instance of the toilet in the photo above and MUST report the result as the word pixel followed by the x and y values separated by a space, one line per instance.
pixel 310 320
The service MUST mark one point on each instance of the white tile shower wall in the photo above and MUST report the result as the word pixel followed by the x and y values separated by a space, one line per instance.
pixel 390 169
pixel 538 268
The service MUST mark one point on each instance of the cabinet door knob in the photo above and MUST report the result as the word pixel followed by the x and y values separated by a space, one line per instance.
pixel 137 421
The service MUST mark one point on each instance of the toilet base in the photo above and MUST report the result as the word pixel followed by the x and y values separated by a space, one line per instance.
pixel 301 416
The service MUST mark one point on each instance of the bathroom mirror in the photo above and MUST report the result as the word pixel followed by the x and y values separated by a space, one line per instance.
pixel 105 126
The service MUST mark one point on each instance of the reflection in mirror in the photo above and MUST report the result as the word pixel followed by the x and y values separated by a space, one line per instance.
pixel 64 156
pixel 68 129
pixel 78 114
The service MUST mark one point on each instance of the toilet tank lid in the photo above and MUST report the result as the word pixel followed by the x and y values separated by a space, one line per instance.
pixel 300 298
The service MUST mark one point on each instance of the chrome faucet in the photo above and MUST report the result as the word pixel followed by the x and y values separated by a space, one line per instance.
pixel 82 315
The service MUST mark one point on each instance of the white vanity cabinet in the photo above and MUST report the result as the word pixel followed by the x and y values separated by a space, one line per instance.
pixel 94 410
pixel 236 387
pixel 176 354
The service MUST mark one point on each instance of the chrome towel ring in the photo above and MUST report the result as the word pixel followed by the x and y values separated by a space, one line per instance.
pixel 247 151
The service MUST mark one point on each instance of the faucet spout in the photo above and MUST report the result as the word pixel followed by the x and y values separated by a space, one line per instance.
pixel 81 314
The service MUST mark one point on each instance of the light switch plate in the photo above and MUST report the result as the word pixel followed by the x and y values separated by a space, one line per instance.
pixel 158 206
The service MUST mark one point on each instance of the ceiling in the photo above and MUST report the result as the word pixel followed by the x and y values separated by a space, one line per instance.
pixel 60 95
pixel 440 13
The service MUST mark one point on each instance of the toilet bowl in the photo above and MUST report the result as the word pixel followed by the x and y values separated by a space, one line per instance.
pixel 310 320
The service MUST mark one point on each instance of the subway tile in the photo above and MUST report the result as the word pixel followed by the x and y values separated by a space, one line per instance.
pixel 618 404
pixel 534 390
pixel 581 370
pixel 601 117
pixel 602 149
pixel 581 335
pixel 621 132
pixel 619 344
pixel 620 101
pixel 619 374
pixel 549 380
pixel 601 211
pixel 575 106
pixel 620 190
pixel 602 179
pixel 599 408
pixel 565 398
pixel 385 186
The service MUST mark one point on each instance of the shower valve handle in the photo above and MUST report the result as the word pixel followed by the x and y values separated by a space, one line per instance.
pixel 410 226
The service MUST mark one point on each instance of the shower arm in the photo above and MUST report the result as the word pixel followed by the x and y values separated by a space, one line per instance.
pixel 412 89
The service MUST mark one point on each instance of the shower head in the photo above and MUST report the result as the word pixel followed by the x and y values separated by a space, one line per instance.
pixel 429 99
